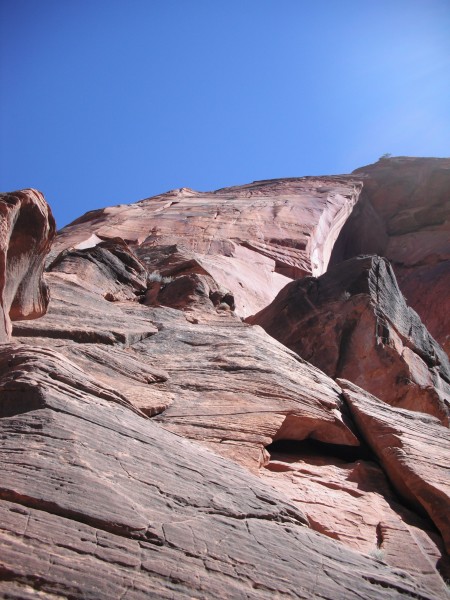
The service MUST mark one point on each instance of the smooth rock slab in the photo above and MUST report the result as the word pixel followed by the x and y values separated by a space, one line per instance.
pixel 251 239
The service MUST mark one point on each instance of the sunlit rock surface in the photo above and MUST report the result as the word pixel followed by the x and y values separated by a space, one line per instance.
pixel 251 239
pixel 155 445
pixel 353 322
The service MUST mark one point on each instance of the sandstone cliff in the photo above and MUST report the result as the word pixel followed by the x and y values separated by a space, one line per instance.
pixel 207 409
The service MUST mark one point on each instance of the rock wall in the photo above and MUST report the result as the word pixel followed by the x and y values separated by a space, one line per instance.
pixel 27 229
pixel 155 444
pixel 404 215
pixel 251 239
pixel 353 322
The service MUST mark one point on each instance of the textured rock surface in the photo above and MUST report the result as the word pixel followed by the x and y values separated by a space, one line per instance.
pixel 250 238
pixel 99 502
pixel 109 269
pixel 228 384
pixel 403 214
pixel 353 322
pixel 237 390
pixel 27 229
pixel 349 499
pixel 415 452
pixel 153 444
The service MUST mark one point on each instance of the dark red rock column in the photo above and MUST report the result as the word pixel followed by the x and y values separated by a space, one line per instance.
pixel 27 229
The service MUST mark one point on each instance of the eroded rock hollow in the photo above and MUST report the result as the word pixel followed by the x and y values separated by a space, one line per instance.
pixel 229 394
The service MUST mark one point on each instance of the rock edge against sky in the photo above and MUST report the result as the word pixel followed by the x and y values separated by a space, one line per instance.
pixel 237 394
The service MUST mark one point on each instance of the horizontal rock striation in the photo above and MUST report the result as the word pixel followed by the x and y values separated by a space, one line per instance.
pixel 345 495
pixel 251 239
pixel 123 507
pixel 353 322
pixel 153 443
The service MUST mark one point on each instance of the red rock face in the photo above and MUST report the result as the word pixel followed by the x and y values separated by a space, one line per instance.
pixel 404 445
pixel 353 322
pixel 27 229
pixel 251 239
pixel 346 496
pixel 403 214
pixel 154 444
pixel 122 506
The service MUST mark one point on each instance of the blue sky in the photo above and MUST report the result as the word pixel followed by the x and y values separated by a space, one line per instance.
pixel 110 101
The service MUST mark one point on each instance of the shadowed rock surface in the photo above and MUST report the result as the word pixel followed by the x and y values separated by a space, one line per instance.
pixel 403 214
pixel 154 444
pixel 27 229
pixel 353 322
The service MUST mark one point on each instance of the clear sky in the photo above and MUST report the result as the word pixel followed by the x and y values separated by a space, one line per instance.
pixel 110 101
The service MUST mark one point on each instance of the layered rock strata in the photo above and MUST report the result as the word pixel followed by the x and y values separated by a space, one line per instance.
pixel 415 452
pixel 27 229
pixel 167 516
pixel 154 444
pixel 219 380
pixel 346 496
pixel 353 322
pixel 250 239
pixel 403 214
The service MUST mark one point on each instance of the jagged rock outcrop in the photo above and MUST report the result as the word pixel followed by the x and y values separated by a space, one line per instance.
pixel 109 268
pixel 179 279
pixel 27 229
pixel 152 443
pixel 403 214
pixel 353 322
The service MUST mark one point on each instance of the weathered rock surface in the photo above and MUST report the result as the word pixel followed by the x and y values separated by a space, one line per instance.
pixel 353 322
pixel 144 425
pixel 109 268
pixel 27 229
pixel 348 498
pixel 403 214
pixel 251 239
pixel 228 385
pixel 413 450
pixel 100 502
pixel 179 278
pixel 237 390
